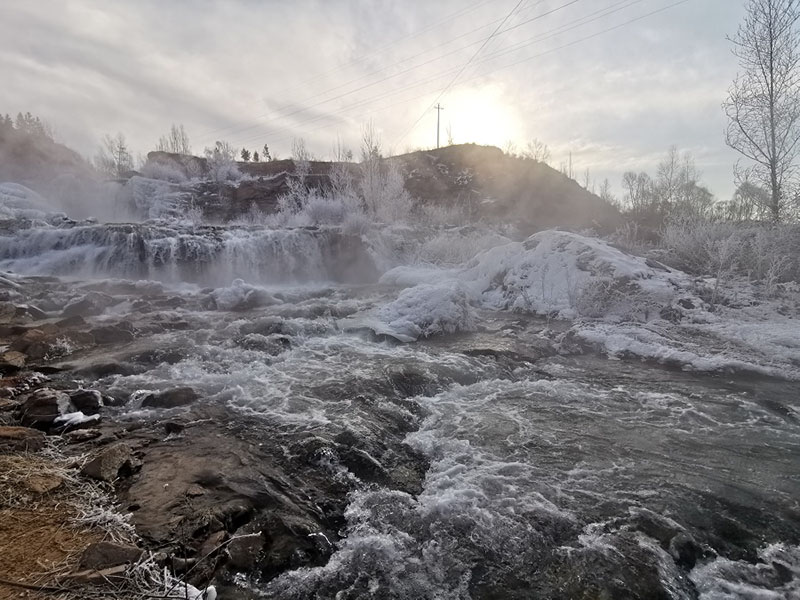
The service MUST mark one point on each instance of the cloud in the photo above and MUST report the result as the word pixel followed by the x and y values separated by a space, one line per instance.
pixel 254 72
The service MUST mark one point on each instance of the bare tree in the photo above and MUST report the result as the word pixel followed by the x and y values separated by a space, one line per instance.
pixel 300 152
pixel 537 150
pixel 113 157
pixel 176 141
pixel 763 105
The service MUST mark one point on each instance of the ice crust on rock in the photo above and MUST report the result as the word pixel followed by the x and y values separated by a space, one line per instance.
pixel 20 202
pixel 426 310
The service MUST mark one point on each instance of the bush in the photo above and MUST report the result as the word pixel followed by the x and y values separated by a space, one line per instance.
pixel 763 253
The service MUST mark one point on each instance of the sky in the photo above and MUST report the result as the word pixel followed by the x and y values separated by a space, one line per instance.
pixel 610 83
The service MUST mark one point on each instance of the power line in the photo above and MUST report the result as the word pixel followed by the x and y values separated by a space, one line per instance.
pixel 373 52
pixel 410 69
pixel 553 33
pixel 585 20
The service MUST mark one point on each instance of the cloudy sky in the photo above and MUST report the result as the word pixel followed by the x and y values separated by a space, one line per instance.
pixel 611 82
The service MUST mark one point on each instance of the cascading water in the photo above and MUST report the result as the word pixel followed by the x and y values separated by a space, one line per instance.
pixel 185 253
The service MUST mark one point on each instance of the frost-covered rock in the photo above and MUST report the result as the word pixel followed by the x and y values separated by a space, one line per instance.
pixel 563 274
pixel 19 202
pixel 241 296
pixel 426 310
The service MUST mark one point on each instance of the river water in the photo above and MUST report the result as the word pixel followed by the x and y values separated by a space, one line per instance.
pixel 548 475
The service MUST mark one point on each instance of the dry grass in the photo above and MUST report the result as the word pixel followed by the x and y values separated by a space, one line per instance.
pixel 48 516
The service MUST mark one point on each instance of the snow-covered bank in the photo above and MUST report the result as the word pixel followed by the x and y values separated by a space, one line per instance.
pixel 622 305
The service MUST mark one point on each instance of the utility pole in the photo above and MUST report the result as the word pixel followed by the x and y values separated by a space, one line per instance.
pixel 439 108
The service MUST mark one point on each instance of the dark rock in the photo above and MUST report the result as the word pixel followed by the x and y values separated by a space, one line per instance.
pixel 212 544
pixel 92 304
pixel 20 439
pixel 173 427
pixel 82 435
pixel 112 334
pixel 44 406
pixel 686 303
pixel 671 314
pixel 12 361
pixel 244 551
pixel 685 550
pixel 71 322
pixel 108 462
pixel 34 312
pixel 87 401
pixel 102 555
pixel 8 312
pixel 170 398
pixel 104 369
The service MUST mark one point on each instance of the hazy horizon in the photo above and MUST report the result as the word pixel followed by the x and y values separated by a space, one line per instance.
pixel 254 73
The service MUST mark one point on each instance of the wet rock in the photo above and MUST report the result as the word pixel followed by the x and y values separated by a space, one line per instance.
pixel 71 322
pixel 28 338
pixel 87 401
pixel 113 334
pixel 244 551
pixel 671 314
pixel 212 544
pixel 656 526
pixel 102 555
pixel 12 361
pixel 170 398
pixel 272 345
pixel 41 408
pixel 173 427
pixel 107 463
pixel 104 369
pixel 82 435
pixel 32 311
pixel 92 304
pixel 20 439
pixel 685 550
pixel 8 312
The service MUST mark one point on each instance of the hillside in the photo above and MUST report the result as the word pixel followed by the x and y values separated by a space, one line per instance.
pixel 479 181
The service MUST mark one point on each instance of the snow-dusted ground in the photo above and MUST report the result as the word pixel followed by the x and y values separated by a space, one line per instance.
pixel 621 304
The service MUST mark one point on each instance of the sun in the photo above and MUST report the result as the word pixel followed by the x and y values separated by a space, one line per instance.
pixel 478 115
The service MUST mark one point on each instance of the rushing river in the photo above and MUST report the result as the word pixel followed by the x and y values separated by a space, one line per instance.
pixel 548 475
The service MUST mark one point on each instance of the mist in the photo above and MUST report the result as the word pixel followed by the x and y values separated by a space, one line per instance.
pixel 469 301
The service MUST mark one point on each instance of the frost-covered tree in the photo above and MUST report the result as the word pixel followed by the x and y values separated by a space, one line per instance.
pixel 6 124
pixel 32 126
pixel 176 141
pixel 113 157
pixel 221 161
pixel 300 152
pixel 675 192
pixel 382 183
pixel 763 104
pixel 245 154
